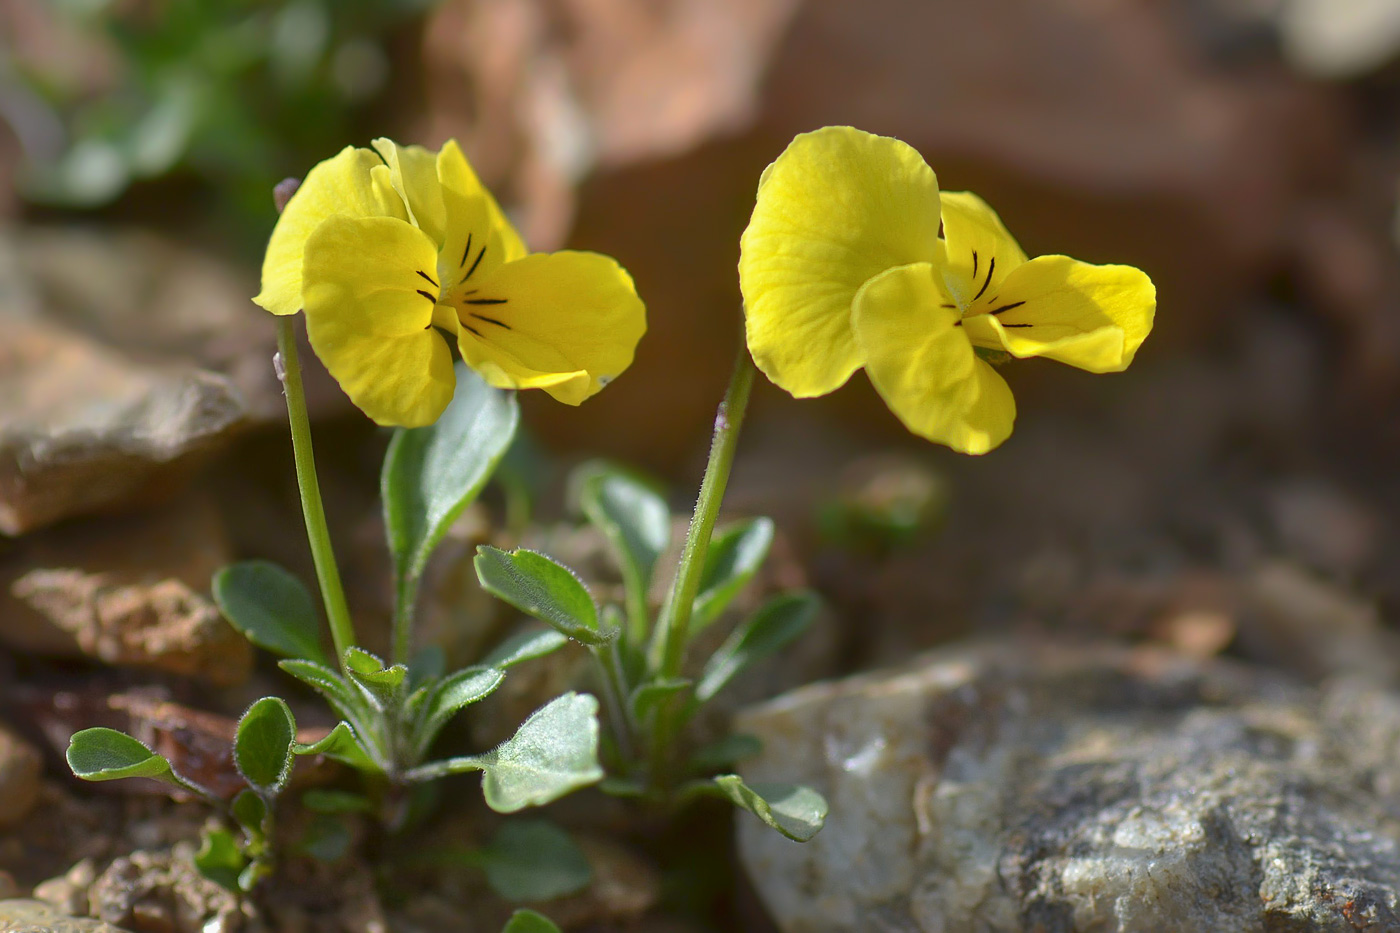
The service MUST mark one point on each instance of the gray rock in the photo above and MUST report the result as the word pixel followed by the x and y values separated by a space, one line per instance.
pixel 25 916
pixel 1009 788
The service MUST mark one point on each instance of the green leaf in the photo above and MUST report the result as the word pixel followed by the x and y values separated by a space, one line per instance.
pixel 530 861
pixel 380 684
pixel 463 688
pixel 249 810
pixel 270 607
pixel 554 752
pixel 329 684
pixel 724 753
pixel 101 754
pixel 647 696
pixel 262 746
pixel 735 555
pixel 527 921
pixel 774 625
pixel 336 801
pixel 543 588
pixel 635 521
pixel 341 745
pixel 219 858
pixel 432 473
pixel 795 811
pixel 525 646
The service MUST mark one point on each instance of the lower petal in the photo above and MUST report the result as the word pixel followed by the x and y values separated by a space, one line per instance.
pixel 369 314
pixel 923 365
pixel 1092 317
pixel 565 322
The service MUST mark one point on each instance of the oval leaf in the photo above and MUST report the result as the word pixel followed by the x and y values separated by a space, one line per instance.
pixel 775 624
pixel 553 752
pixel 102 754
pixel 270 607
pixel 249 810
pixel 543 588
pixel 450 695
pixel 525 646
pixel 634 520
pixel 432 473
pixel 527 921
pixel 529 861
pixel 262 747
pixel 735 555
pixel 219 859
pixel 795 811
pixel 379 684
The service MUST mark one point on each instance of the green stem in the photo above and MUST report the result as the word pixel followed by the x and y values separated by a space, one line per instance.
pixel 615 685
pixel 675 617
pixel 327 574
pixel 674 623
pixel 404 600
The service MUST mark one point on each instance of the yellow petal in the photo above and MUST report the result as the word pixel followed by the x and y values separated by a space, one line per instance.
pixel 923 365
pixel 353 183
pixel 981 253
pixel 564 322
pixel 369 315
pixel 413 173
pixel 478 237
pixel 1092 317
pixel 836 208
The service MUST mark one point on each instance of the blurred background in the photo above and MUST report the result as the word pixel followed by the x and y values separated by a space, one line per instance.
pixel 1236 492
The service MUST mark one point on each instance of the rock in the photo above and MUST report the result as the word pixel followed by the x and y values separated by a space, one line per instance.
pixel 25 916
pixel 68 892
pixel 1321 525
pixel 162 890
pixel 84 430
pixel 125 589
pixel 1296 620
pixel 20 771
pixel 1014 787
pixel 165 625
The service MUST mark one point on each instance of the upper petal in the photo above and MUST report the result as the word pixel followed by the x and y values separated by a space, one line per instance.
pixel 981 253
pixel 836 208
pixel 353 183
pixel 478 238
pixel 1092 317
pixel 369 314
pixel 923 365
pixel 413 173
pixel 565 322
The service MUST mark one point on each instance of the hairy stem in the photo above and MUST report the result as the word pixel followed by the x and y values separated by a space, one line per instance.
pixel 327 574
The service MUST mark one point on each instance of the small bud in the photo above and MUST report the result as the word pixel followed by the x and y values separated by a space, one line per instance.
pixel 284 191
pixel 279 367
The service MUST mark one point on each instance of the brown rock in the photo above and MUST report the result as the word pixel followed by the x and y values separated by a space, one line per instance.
pixel 68 892
pixel 162 891
pixel 20 771
pixel 125 589
pixel 165 625
pixel 84 429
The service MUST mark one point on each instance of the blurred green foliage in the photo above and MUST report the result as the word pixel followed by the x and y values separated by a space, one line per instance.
pixel 236 93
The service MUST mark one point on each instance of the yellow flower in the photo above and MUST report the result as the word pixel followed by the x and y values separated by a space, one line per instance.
pixel 843 267
pixel 395 251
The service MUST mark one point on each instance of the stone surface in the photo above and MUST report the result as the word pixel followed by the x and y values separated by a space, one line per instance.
pixel 1340 38
pixel 1005 788
pixel 26 916
pixel 162 890
pixel 20 771
pixel 165 625
pixel 127 590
